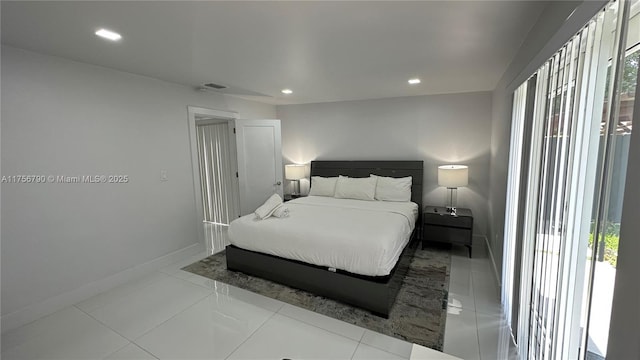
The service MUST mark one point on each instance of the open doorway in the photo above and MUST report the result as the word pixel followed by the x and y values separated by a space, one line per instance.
pixel 216 164
pixel 213 156
pixel 236 164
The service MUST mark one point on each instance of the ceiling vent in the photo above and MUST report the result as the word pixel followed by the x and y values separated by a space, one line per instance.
pixel 213 86
pixel 227 89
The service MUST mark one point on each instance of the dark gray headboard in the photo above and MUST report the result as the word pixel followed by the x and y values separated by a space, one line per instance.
pixel 382 168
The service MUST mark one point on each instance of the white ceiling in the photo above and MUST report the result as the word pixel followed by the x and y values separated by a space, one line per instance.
pixel 324 51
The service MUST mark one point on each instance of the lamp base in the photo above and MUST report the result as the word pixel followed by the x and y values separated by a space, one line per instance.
pixel 452 200
pixel 296 188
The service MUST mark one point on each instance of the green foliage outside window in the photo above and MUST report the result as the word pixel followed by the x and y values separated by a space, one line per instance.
pixel 611 240
pixel 630 73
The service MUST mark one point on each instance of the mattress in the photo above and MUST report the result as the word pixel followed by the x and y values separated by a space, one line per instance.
pixel 361 237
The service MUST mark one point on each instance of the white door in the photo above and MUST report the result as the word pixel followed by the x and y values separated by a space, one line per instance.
pixel 259 162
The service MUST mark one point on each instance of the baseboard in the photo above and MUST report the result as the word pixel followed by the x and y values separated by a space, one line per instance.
pixel 33 312
pixel 493 263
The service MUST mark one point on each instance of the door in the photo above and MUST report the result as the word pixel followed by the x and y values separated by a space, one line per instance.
pixel 259 150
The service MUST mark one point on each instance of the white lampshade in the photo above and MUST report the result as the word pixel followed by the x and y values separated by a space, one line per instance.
pixel 294 172
pixel 453 176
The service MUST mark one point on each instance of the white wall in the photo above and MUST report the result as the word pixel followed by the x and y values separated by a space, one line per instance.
pixel 61 117
pixel 438 129
pixel 552 30
pixel 248 109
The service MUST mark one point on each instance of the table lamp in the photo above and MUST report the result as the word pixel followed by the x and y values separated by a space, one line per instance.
pixel 453 177
pixel 294 173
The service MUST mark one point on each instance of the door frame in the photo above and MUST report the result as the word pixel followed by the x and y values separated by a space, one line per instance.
pixel 194 113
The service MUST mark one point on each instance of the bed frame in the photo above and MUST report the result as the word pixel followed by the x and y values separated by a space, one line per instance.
pixel 374 293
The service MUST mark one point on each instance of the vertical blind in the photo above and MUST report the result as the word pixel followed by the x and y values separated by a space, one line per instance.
pixel 216 172
pixel 550 233
pixel 560 195
pixel 513 189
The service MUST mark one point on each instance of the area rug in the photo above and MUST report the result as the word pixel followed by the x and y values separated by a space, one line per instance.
pixel 418 315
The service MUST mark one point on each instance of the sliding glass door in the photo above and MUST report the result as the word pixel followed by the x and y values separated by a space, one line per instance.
pixel 614 140
pixel 557 226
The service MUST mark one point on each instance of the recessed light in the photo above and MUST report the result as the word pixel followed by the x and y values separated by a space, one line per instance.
pixel 414 81
pixel 108 34
pixel 287 91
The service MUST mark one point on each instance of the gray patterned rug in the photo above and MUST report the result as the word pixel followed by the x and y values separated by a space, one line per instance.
pixel 418 315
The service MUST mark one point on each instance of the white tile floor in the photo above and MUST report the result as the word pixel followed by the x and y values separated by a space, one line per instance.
pixel 475 328
pixel 172 314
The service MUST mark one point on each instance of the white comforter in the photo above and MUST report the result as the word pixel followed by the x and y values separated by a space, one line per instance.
pixel 362 237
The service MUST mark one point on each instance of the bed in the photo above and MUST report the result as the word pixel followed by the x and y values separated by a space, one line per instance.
pixel 360 267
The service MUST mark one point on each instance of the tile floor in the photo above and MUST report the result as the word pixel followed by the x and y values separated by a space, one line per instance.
pixel 475 327
pixel 172 314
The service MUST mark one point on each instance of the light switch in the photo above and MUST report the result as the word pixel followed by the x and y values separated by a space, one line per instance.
pixel 163 175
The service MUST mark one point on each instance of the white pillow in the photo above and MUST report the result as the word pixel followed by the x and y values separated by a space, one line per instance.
pixel 323 186
pixel 393 189
pixel 356 188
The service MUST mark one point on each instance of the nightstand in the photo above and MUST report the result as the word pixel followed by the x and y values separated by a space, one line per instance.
pixel 441 226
